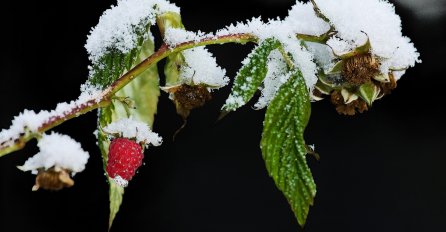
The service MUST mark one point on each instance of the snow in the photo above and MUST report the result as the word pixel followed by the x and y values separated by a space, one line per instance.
pixel 303 20
pixel 120 181
pixel 322 54
pixel 119 26
pixel 202 68
pixel 132 129
pixel 175 36
pixel 284 31
pixel 235 100
pixel 276 76
pixel 373 19
pixel 355 22
pixel 29 121
pixel 59 151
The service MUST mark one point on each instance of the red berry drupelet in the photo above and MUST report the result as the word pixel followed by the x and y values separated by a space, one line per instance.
pixel 124 158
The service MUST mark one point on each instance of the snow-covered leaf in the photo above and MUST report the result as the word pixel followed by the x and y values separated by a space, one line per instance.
pixel 283 146
pixel 251 75
pixel 116 41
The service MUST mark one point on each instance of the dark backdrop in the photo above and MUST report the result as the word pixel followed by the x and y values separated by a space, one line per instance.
pixel 380 171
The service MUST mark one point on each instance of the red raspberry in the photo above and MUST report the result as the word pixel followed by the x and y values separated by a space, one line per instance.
pixel 124 158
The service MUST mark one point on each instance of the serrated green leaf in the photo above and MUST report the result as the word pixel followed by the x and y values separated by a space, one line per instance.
pixel 283 146
pixel 251 75
pixel 143 92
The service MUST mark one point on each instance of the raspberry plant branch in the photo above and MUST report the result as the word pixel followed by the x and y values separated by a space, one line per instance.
pixel 164 51
pixel 295 62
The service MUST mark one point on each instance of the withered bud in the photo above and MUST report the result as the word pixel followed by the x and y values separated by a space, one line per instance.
pixel 189 97
pixel 351 108
pixel 360 69
pixel 317 94
pixel 53 179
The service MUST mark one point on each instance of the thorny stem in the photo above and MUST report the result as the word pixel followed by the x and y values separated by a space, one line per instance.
pixel 7 147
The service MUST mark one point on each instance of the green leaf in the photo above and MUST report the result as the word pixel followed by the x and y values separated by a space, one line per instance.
pixel 116 193
pixel 251 75
pixel 143 92
pixel 283 146
pixel 114 62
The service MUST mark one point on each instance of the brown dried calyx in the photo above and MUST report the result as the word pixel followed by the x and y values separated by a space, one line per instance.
pixel 360 69
pixel 189 97
pixel 387 87
pixel 351 108
pixel 53 179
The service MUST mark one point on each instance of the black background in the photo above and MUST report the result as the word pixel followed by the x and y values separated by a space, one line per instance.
pixel 380 171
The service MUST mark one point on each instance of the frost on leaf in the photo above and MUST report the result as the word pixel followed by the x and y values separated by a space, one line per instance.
pixel 114 44
pixel 251 75
pixel 285 32
pixel 283 146
pixel 277 75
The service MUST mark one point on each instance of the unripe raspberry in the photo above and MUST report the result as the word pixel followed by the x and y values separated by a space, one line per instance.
pixel 124 158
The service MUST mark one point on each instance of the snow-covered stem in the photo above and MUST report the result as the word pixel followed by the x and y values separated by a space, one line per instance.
pixel 108 93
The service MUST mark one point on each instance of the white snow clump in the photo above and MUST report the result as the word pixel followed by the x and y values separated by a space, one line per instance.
pixel 118 26
pixel 133 129
pixel 58 151
pixel 202 68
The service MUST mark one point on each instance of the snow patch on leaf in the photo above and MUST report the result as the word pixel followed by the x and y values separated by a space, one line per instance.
pixel 285 32
pixel 119 26
pixel 277 75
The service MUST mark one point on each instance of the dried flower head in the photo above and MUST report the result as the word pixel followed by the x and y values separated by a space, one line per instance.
pixel 360 69
pixel 53 179
pixel 188 97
